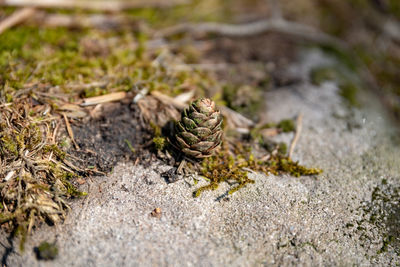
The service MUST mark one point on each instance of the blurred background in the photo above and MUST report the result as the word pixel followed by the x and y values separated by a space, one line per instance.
pixel 94 42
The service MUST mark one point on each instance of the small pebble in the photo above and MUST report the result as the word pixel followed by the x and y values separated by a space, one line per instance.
pixel 156 213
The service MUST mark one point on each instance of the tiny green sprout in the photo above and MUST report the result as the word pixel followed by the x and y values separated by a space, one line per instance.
pixel 130 145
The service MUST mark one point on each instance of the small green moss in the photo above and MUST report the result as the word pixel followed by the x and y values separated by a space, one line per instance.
pixel 293 168
pixel 7 216
pixel 9 98
pixel 287 125
pixel 224 168
pixel 8 145
pixel 394 8
pixel 344 57
pixel 131 148
pixel 156 129
pixel 56 150
pixel 233 169
pixel 46 251
pixel 159 142
pixel 96 91
pixel 282 148
pixel 244 99
pixel 71 190
pixel 322 74
pixel 22 231
pixel 349 92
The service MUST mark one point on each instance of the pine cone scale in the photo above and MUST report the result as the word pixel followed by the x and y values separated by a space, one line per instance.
pixel 181 142
pixel 189 124
pixel 202 146
pixel 198 117
pixel 210 124
pixel 192 153
pixel 215 136
pixel 190 138
pixel 201 132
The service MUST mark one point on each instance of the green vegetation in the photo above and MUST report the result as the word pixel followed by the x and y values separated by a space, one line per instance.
pixel 348 84
pixel 38 179
pixel 233 168
pixel 244 99
pixel 374 61
pixel 46 251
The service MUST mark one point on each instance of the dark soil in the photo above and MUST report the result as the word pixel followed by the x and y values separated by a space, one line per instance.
pixel 117 134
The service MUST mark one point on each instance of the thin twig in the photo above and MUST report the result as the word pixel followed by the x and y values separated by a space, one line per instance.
pixel 300 31
pixel 70 132
pixel 206 66
pixel 100 5
pixel 299 125
pixel 16 18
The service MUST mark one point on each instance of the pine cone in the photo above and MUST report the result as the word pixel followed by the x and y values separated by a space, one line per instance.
pixel 199 131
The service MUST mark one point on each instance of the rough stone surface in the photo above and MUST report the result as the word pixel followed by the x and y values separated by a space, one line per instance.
pixel 279 220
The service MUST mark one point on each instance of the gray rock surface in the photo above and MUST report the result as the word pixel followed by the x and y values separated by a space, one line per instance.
pixel 279 220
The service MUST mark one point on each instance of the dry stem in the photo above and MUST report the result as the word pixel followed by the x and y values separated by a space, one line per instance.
pixel 16 18
pixel 299 125
pixel 70 132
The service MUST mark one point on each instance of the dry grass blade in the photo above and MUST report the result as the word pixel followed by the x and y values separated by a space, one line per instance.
pixel 299 126
pixel 73 111
pixel 36 180
pixel 16 18
pixel 70 132
pixel 103 99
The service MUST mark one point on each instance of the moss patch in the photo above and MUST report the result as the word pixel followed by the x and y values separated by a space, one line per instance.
pixel 233 168
pixel 46 251
pixel 349 84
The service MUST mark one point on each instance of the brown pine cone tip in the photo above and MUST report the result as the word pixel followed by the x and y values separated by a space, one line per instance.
pixel 199 132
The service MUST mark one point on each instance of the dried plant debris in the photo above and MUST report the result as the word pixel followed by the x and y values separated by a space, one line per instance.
pixel 36 179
